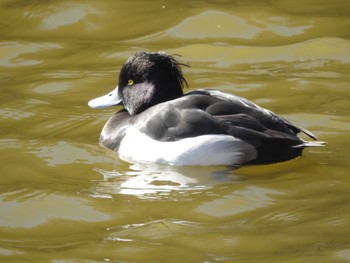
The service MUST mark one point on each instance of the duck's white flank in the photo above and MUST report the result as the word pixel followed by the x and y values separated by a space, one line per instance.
pixel 201 150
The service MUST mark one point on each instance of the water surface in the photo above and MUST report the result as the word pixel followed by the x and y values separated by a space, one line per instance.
pixel 63 198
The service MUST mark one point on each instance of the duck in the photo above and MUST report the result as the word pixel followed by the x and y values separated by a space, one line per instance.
pixel 159 123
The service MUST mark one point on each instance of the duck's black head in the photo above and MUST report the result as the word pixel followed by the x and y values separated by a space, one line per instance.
pixel 145 79
pixel 149 78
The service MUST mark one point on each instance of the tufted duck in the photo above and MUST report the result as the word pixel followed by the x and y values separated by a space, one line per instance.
pixel 158 123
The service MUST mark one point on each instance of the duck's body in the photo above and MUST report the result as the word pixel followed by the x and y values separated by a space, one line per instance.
pixel 203 127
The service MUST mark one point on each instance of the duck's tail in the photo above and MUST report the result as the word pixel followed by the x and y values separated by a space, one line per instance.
pixel 310 144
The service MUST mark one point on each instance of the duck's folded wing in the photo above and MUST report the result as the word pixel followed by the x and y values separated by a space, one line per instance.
pixel 297 129
pixel 232 104
pixel 178 123
pixel 247 128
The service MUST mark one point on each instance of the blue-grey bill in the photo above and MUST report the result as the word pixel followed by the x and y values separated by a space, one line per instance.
pixel 108 100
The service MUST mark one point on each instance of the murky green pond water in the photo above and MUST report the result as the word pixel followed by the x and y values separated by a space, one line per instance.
pixel 63 198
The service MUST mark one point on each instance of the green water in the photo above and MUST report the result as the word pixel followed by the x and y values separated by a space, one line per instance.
pixel 63 198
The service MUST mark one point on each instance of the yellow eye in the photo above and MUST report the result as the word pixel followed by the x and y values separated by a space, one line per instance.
pixel 130 82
